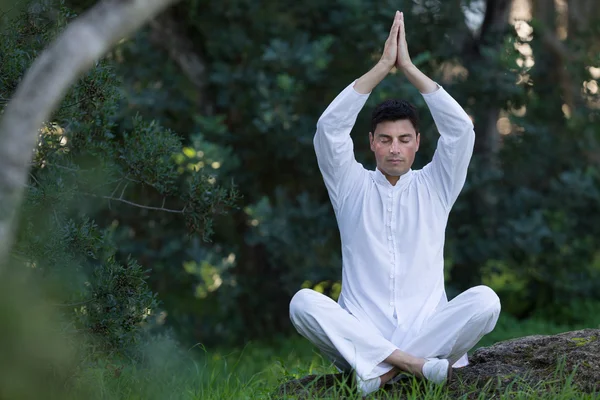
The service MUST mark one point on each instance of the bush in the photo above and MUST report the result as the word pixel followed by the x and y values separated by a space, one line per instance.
pixel 86 167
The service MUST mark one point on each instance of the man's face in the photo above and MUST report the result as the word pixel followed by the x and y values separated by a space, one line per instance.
pixel 394 144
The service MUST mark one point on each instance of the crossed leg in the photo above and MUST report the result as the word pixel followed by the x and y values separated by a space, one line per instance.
pixel 448 334
pixel 457 326
pixel 346 341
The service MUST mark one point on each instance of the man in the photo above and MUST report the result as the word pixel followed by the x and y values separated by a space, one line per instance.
pixel 393 314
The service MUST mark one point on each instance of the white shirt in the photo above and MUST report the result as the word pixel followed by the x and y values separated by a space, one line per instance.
pixel 393 235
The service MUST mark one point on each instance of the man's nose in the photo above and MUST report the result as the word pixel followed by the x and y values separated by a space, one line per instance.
pixel 395 147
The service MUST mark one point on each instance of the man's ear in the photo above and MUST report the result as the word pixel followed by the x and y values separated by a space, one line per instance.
pixel 418 139
pixel 371 141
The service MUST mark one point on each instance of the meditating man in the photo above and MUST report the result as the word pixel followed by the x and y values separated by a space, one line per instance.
pixel 393 314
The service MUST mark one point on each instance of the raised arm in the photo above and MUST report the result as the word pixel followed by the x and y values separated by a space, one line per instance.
pixel 366 83
pixel 332 141
pixel 448 169
pixel 403 63
pixel 333 144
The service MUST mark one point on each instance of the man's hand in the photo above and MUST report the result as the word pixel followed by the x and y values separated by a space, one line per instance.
pixel 403 63
pixel 390 50
pixel 395 53
pixel 403 60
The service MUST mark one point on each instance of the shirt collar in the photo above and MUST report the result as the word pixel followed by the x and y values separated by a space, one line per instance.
pixel 381 179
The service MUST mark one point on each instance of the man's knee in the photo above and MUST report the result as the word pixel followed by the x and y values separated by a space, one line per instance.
pixel 301 303
pixel 487 300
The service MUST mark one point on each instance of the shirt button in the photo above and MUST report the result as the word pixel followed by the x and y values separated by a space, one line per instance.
pixel 391 276
pixel 389 238
pixel 389 195
pixel 389 209
pixel 391 303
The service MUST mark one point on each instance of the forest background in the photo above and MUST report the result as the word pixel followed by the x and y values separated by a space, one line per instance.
pixel 174 200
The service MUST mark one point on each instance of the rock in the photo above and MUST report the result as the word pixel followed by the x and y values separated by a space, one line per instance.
pixel 534 362
pixel 535 359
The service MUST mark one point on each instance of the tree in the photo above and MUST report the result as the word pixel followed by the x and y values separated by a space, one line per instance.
pixel 243 85
pixel 264 92
pixel 42 88
pixel 82 167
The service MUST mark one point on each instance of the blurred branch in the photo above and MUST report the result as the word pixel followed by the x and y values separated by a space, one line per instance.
pixel 166 33
pixel 58 166
pixel 131 203
pixel 557 47
pixel 78 102
pixel 9 6
pixel 84 41
pixel 81 303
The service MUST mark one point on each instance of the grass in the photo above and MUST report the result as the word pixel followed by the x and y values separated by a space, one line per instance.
pixel 256 371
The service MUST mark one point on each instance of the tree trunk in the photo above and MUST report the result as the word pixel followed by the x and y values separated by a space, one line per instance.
pixel 262 300
pixel 487 142
pixel 167 34
pixel 551 62
pixel 581 14
pixel 83 42
pixel 483 200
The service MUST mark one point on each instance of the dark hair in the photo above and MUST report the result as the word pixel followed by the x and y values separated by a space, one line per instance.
pixel 394 110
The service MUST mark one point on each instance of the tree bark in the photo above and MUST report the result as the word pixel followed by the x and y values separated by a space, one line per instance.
pixel 483 200
pixel 492 34
pixel 493 30
pixel 84 41
pixel 558 54
pixel 167 34
pixel 581 14
pixel 557 57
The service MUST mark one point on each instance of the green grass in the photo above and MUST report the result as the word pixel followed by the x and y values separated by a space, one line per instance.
pixel 256 371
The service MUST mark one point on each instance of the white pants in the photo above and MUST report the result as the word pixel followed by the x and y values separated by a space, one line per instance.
pixel 449 333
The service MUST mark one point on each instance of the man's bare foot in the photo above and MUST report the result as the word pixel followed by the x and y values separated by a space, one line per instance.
pixel 406 362
pixel 385 378
pixel 415 367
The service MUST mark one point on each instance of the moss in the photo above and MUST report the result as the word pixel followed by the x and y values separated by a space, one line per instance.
pixel 583 341
pixel 508 377
pixel 529 353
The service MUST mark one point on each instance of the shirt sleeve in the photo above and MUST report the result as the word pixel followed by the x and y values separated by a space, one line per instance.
pixel 447 171
pixel 333 144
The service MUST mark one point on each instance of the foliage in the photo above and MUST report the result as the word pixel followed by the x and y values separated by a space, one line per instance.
pixel 87 174
pixel 258 368
pixel 525 223
pixel 131 201
pixel 270 70
pixel 33 349
pixel 544 252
